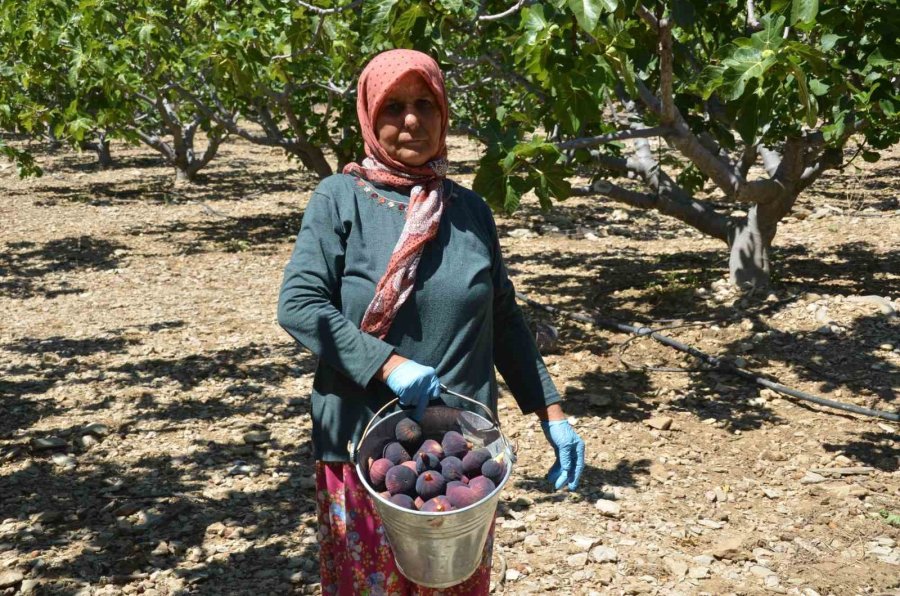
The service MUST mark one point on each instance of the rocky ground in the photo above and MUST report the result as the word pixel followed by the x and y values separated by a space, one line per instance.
pixel 155 429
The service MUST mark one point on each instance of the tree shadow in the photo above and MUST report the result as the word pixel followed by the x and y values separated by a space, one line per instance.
pixel 153 522
pixel 263 232
pixel 24 265
pixel 876 449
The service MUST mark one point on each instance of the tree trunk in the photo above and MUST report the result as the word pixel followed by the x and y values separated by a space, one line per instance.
pixel 104 157
pixel 750 243
pixel 748 263
pixel 313 159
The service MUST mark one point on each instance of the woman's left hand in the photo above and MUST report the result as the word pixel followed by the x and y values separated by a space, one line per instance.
pixel 569 449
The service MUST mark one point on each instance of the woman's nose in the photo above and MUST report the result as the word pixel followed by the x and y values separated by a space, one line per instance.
pixel 411 119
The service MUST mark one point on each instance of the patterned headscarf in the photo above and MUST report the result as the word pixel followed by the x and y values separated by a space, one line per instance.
pixel 426 197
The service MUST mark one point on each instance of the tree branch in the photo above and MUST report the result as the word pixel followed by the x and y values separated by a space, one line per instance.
pixel 326 11
pixel 605 188
pixel 771 159
pixel 620 135
pixel 665 72
pixel 752 22
pixel 500 15
pixel 673 200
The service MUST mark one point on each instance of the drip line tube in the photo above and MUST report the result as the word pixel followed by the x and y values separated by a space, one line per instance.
pixel 716 363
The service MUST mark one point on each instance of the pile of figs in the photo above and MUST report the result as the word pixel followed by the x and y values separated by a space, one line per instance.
pixel 431 476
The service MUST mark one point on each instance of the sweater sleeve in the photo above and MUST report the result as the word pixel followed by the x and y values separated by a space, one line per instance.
pixel 310 295
pixel 516 354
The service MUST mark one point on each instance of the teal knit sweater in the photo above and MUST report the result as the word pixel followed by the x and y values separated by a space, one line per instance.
pixel 462 317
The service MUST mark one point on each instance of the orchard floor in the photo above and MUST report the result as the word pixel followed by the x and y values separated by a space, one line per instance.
pixel 139 346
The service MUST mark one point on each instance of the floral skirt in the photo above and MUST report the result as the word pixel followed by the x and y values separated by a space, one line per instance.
pixel 355 557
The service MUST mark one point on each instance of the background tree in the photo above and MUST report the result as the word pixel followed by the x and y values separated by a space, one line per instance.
pixel 581 87
pixel 95 70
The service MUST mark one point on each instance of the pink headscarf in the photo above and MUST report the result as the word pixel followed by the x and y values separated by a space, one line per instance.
pixel 426 201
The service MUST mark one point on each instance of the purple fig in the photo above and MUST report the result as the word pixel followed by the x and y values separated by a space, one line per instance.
pixel 433 447
pixel 455 444
pixel 377 472
pixel 473 461
pixel 482 485
pixel 462 496
pixel 401 500
pixel 429 485
pixel 408 432
pixel 451 468
pixel 396 453
pixel 426 461
pixel 400 479
pixel 437 504
pixel 494 470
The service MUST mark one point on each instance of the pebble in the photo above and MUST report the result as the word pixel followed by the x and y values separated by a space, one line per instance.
pixel 585 543
pixel 512 575
pixel 659 422
pixel 578 560
pixel 29 586
pixel 521 233
pixel 11 577
pixel 608 508
pixel 729 548
pixel 85 442
pixel 101 430
pixel 63 460
pixel 812 478
pixel 45 443
pixel 760 571
pixel 604 554
pixel 676 567
pixel 698 572
pixel 254 437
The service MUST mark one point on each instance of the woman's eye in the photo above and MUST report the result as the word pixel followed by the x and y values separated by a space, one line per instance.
pixel 425 104
pixel 394 108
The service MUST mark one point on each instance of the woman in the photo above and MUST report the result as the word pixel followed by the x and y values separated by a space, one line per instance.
pixel 396 283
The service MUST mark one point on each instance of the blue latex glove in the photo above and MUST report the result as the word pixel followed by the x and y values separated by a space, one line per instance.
pixel 569 449
pixel 415 385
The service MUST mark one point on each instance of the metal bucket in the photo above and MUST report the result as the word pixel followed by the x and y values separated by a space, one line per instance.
pixel 440 549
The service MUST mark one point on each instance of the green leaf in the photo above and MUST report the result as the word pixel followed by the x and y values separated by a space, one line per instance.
pixel 871 156
pixel 145 32
pixel 804 11
pixel 743 65
pixel 817 87
pixel 407 20
pixel 587 12
pixel 747 121
pixel 828 41
pixel 809 102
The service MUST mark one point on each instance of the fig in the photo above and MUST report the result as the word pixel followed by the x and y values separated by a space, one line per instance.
pixel 396 453
pixel 386 494
pixel 401 500
pixel 430 484
pixel 412 466
pixel 473 461
pixel 418 502
pixel 426 461
pixel 482 485
pixel 451 468
pixel 408 432
pixel 377 472
pixel 400 479
pixel 494 470
pixel 433 447
pixel 453 483
pixel 461 496
pixel 437 505
pixel 455 444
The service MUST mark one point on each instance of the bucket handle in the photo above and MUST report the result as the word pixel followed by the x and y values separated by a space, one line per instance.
pixel 394 401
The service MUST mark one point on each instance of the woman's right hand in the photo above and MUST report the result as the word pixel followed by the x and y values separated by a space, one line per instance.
pixel 414 384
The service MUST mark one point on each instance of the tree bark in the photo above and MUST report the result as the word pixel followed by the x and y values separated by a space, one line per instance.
pixel 750 243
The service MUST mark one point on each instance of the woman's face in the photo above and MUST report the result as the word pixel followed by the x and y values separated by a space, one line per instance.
pixel 408 125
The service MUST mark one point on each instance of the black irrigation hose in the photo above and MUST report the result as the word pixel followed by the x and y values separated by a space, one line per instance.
pixel 716 363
